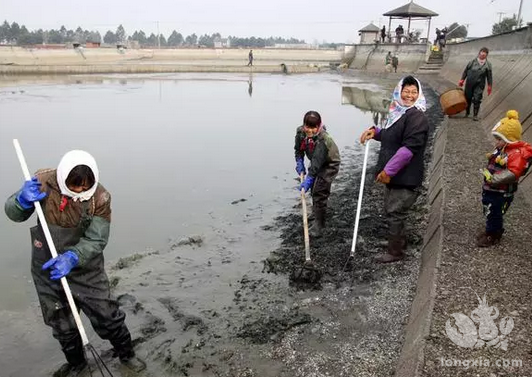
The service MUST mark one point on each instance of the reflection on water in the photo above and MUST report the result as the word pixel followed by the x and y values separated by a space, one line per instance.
pixel 375 102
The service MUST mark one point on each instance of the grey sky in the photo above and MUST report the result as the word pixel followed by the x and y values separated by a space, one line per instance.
pixel 334 21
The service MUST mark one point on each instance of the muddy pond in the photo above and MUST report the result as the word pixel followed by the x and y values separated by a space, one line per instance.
pixel 206 155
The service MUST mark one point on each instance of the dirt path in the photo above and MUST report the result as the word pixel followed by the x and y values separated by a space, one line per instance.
pixel 502 273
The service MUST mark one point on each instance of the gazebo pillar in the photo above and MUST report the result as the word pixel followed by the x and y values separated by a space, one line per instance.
pixel 390 31
pixel 428 31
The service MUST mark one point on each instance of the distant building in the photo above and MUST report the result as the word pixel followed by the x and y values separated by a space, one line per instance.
pixel 369 34
pixel 222 43
pixel 293 45
pixel 133 44
pixel 92 44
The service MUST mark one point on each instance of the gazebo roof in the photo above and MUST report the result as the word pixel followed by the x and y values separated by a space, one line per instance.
pixel 411 10
pixel 371 28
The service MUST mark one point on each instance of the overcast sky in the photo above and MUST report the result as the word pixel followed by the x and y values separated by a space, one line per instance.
pixel 312 20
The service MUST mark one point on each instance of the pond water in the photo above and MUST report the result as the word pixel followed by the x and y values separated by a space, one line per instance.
pixel 174 150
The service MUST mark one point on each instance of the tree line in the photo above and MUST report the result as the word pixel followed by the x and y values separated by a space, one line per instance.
pixel 16 34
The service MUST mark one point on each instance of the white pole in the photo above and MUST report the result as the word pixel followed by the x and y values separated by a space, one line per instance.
pixel 305 222
pixel 519 14
pixel 51 245
pixel 158 36
pixel 360 195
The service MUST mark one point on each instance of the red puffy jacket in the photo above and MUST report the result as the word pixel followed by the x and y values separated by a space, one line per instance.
pixel 519 157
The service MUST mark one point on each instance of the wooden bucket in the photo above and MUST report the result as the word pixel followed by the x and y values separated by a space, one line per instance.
pixel 453 101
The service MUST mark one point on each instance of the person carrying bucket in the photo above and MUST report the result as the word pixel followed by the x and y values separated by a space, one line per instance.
pixel 401 162
pixel 313 141
pixel 77 209
pixel 475 75
pixel 510 161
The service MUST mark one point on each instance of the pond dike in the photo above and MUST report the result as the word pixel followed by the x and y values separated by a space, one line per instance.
pixel 453 268
pixel 41 61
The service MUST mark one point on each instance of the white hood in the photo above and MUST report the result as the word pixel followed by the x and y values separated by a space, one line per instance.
pixel 69 162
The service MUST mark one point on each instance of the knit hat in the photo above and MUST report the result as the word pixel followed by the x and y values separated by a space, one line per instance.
pixel 508 129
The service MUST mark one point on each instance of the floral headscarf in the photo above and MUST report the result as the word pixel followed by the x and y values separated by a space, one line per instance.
pixel 397 109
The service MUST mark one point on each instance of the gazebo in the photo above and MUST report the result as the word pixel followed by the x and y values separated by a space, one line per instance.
pixel 411 11
pixel 369 34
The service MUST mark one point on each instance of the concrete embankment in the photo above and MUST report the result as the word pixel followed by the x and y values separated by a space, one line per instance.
pixel 17 60
pixel 372 57
pixel 450 258
pixel 511 59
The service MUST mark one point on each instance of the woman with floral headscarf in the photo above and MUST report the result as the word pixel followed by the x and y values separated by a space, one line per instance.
pixel 401 160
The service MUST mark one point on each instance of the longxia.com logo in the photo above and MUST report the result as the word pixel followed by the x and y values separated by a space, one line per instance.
pixel 465 333
pixel 481 363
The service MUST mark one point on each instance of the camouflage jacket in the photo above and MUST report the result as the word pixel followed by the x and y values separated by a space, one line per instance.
pixel 92 216
pixel 322 152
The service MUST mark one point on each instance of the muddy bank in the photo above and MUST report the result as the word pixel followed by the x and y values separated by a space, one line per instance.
pixel 191 316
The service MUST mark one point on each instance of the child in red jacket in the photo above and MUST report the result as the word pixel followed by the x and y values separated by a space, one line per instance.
pixel 509 162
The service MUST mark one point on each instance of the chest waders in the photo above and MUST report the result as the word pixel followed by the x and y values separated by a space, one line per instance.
pixel 90 290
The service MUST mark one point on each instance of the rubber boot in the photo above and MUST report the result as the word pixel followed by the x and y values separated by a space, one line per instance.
pixel 468 110
pixel 76 362
pixel 134 363
pixel 404 243
pixel 127 356
pixel 69 370
pixel 487 239
pixel 75 357
pixel 316 230
pixel 476 110
pixel 394 252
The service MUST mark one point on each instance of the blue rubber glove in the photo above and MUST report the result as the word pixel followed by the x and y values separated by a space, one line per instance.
pixel 300 166
pixel 62 264
pixel 307 183
pixel 30 193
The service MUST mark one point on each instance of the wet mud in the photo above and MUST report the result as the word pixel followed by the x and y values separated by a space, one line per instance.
pixel 192 316
pixel 223 303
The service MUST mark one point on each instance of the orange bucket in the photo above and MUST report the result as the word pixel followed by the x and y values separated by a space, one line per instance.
pixel 453 101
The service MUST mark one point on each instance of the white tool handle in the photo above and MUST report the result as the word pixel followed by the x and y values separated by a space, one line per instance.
pixel 51 246
pixel 360 195
pixel 305 222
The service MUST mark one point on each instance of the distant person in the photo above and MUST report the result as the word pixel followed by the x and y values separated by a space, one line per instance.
pixel 475 75
pixel 314 142
pixel 388 59
pixel 77 209
pixel 383 33
pixel 438 36
pixel 388 62
pixel 443 37
pixel 509 162
pixel 250 58
pixel 401 160
pixel 395 62
pixel 399 33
